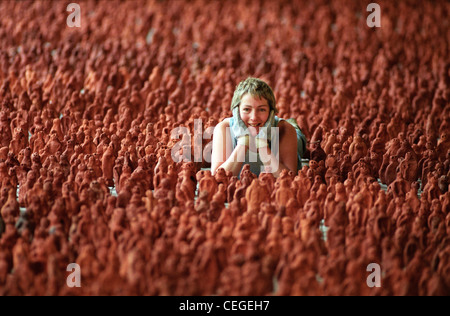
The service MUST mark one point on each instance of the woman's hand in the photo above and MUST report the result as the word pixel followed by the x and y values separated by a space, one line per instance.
pixel 254 143
pixel 244 140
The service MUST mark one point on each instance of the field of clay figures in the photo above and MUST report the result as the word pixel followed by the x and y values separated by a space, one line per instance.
pixel 90 95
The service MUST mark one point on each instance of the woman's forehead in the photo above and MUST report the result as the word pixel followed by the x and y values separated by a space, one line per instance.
pixel 253 101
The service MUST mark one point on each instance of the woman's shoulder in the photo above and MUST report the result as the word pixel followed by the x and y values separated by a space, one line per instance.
pixel 286 130
pixel 285 126
pixel 224 124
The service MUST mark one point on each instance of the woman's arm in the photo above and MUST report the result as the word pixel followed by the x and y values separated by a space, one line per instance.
pixel 288 158
pixel 223 155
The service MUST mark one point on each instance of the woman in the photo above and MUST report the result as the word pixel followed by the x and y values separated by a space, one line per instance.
pixel 255 136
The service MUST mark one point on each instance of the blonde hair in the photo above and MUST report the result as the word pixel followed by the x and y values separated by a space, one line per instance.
pixel 257 88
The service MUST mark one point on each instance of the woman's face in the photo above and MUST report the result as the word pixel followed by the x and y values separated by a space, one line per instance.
pixel 254 111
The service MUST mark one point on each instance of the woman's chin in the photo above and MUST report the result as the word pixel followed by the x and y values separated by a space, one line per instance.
pixel 253 130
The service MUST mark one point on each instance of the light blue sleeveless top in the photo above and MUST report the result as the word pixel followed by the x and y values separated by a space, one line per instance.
pixel 258 166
